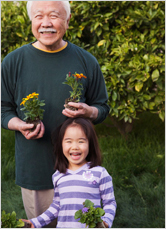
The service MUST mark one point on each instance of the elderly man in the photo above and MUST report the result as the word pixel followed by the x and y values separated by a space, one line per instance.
pixel 41 66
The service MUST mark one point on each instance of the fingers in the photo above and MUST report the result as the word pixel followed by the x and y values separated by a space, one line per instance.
pixel 105 224
pixel 28 222
pixel 78 113
pixel 36 134
pixel 72 114
pixel 83 110
pixel 77 105
pixel 41 132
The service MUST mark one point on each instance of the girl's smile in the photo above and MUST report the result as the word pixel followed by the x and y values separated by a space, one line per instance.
pixel 75 146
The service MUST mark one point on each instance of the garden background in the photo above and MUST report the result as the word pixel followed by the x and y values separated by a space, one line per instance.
pixel 128 40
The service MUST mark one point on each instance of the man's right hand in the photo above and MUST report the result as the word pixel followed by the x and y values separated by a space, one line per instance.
pixel 19 125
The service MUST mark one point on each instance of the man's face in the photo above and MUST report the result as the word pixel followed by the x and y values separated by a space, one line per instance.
pixel 49 24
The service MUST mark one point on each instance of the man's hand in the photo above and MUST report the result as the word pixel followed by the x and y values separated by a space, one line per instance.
pixel 19 125
pixel 36 134
pixel 84 111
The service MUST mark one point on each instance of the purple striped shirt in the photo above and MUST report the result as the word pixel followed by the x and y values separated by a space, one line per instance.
pixel 72 189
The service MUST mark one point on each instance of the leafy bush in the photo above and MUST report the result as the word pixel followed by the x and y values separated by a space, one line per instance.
pixel 15 26
pixel 9 220
pixel 128 40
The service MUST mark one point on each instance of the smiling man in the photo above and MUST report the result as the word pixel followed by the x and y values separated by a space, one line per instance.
pixel 49 24
pixel 42 66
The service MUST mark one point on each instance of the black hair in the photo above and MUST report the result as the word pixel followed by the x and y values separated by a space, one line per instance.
pixel 94 155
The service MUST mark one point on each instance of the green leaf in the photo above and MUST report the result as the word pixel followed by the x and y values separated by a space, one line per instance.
pixel 21 19
pixel 19 34
pixel 101 211
pixel 158 99
pixel 100 43
pixel 138 86
pixel 147 97
pixel 162 115
pixel 114 96
pixel 88 203
pixel 20 223
pixel 155 75
pixel 151 105
pixel 126 119
pixel 145 57
pixel 113 104
pixel 92 225
pixel 78 214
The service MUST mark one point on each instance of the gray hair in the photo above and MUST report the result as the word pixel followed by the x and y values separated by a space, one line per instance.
pixel 65 3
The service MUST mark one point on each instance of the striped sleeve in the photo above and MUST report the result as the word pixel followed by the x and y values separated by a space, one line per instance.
pixel 52 212
pixel 108 198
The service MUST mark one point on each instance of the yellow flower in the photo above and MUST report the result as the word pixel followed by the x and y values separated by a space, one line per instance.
pixel 30 96
pixel 32 107
pixel 22 102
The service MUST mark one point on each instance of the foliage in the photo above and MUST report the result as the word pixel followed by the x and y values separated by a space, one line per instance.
pixel 137 167
pixel 10 221
pixel 15 26
pixel 126 37
pixel 74 82
pixel 32 107
pixel 89 214
pixel 128 40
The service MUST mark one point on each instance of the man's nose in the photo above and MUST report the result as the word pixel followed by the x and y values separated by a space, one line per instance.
pixel 46 22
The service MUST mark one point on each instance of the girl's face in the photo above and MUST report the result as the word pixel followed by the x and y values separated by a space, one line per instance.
pixel 75 147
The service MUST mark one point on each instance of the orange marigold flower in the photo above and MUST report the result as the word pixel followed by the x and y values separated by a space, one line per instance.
pixel 79 76
pixel 82 76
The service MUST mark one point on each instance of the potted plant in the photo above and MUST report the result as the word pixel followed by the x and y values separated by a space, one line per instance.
pixel 9 221
pixel 33 112
pixel 90 215
pixel 74 81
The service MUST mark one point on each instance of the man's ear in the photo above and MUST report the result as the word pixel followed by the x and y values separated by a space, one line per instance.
pixel 68 20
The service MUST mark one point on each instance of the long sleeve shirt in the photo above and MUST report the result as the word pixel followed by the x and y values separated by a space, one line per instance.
pixel 27 70
pixel 72 189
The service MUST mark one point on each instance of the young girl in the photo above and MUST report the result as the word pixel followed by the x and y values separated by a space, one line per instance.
pixel 78 176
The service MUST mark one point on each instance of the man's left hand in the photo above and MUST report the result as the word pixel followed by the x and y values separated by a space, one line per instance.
pixel 84 111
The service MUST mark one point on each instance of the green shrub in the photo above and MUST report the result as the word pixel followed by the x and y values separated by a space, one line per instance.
pixel 9 220
pixel 128 39
pixel 15 26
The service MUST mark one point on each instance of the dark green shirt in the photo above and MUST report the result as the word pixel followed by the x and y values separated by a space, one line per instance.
pixel 27 70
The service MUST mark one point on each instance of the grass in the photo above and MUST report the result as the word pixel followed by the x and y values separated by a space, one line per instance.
pixel 137 167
